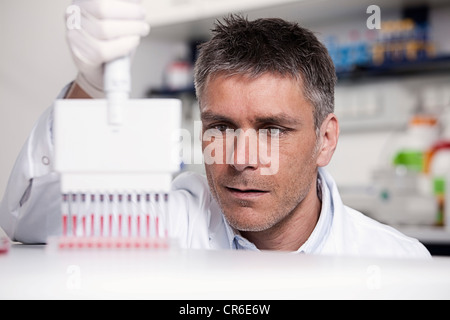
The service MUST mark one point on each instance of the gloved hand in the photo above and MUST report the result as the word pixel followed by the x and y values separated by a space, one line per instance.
pixel 108 29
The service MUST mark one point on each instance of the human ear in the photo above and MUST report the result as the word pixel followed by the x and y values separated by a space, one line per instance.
pixel 329 135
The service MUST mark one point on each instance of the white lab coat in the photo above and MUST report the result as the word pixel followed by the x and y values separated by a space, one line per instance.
pixel 30 210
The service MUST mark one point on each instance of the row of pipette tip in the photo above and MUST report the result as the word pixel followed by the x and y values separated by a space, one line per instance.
pixel 114 220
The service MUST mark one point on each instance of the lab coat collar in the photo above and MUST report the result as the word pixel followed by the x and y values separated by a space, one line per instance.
pixel 320 234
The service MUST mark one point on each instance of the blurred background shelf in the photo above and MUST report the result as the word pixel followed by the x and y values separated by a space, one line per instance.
pixel 432 66
pixel 168 93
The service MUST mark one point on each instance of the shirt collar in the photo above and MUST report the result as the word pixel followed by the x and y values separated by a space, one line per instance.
pixel 320 233
pixel 317 238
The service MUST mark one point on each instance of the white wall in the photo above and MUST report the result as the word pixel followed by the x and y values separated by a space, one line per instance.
pixel 34 65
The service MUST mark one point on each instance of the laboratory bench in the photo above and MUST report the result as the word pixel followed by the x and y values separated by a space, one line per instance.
pixel 37 272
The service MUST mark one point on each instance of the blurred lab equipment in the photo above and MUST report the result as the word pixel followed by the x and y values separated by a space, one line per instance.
pixel 179 75
pixel 400 198
pixel 400 41
pixel 412 191
pixel 437 165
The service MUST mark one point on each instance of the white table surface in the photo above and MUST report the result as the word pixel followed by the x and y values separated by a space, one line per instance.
pixel 32 272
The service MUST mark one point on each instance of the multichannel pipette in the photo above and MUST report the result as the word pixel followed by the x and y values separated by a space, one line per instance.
pixel 130 220
pixel 116 158
pixel 117 86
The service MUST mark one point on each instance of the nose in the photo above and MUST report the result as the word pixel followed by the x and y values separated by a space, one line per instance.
pixel 244 150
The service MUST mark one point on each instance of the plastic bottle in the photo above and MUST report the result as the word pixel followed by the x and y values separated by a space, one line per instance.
pixel 422 134
pixel 404 192
pixel 447 207
pixel 439 171
pixel 437 166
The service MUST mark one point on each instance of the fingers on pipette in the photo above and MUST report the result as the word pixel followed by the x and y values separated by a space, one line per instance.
pixel 113 29
pixel 95 52
pixel 119 48
pixel 98 42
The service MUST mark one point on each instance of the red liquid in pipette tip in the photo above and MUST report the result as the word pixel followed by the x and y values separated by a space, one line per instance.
pixel 142 239
pixel 4 245
pixel 121 230
pixel 112 243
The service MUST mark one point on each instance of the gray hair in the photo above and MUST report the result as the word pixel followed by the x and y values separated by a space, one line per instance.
pixel 253 48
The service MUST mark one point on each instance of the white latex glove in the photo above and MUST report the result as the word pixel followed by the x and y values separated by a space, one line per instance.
pixel 109 29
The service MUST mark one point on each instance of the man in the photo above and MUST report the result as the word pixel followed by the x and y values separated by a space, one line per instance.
pixel 267 75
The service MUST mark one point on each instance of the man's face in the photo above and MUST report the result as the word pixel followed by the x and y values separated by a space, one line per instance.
pixel 252 201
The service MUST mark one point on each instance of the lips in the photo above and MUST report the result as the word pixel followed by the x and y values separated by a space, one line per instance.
pixel 246 193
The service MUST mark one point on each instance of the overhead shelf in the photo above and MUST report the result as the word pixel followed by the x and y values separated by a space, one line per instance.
pixel 166 92
pixel 437 65
pixel 192 20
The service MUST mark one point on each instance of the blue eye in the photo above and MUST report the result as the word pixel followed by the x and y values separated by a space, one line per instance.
pixel 221 127
pixel 275 131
